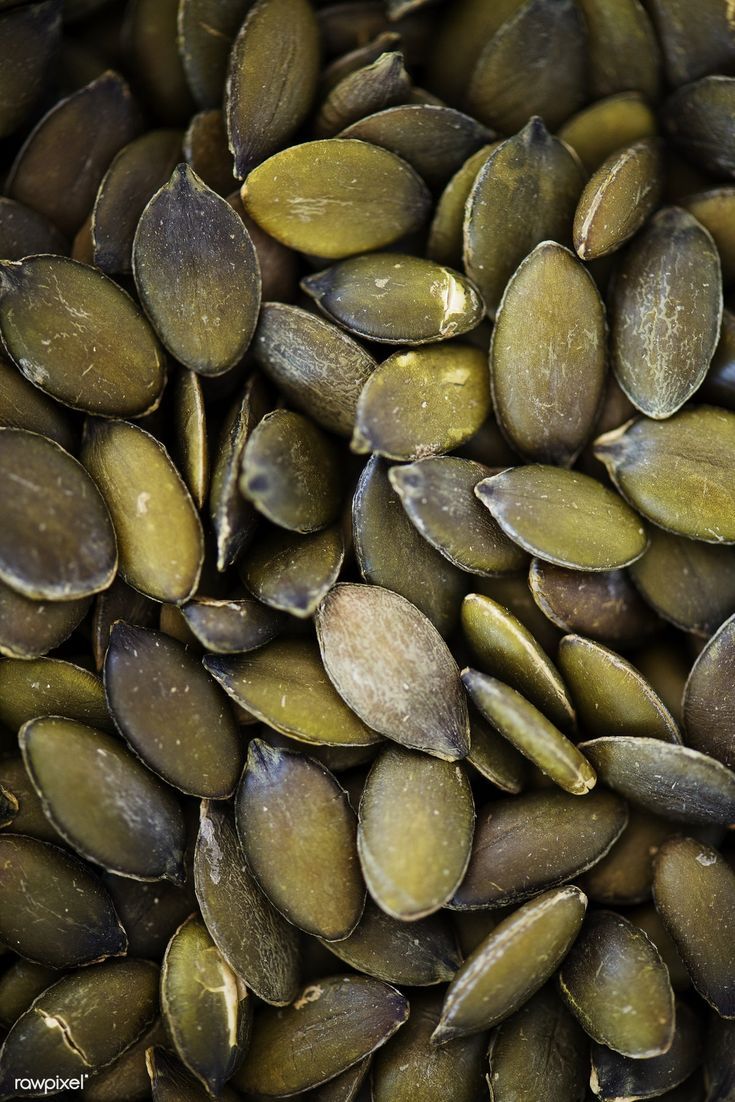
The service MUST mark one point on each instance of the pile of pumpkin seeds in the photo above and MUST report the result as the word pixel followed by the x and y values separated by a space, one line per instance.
pixel 367 579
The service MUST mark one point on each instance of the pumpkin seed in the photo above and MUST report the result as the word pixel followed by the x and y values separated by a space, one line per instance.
pixel 666 666
pixel 278 265
pixel 513 592
pixel 494 758
pixel 618 199
pixel 20 984
pixel 29 629
pixel 119 602
pixel 293 572
pixel 714 210
pixel 169 1081
pixel 30 39
pixel 23 406
pixel 50 686
pixel 718 1062
pixel 697 119
pixel 228 627
pixel 391 666
pixel 606 126
pixel 150 912
pixel 8 807
pixel 465 28
pixel 344 1087
pixel 207 29
pixel 718 383
pixel 24 231
pixel 207 152
pixel 363 91
pixel 29 819
pixel 708 697
pixel 150 35
pixel 445 234
pixel 622 48
pixel 650 921
pixel 625 874
pixel 126 1079
pixel 692 50
pixel 192 452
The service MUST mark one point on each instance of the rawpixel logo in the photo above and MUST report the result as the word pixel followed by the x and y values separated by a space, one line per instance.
pixel 50 1085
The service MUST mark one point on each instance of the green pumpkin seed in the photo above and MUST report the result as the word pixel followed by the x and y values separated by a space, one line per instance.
pixel 692 884
pixel 625 875
pixel 393 298
pixel 158 530
pixel 231 627
pixel 20 984
pixel 465 29
pixel 393 669
pixel 81 1024
pixel 608 125
pixel 618 199
pixel 136 173
pixel 256 942
pixel 207 29
pixel 299 1047
pixel 305 197
pixel 55 912
pixel 290 472
pixel 513 592
pixel 697 119
pixel 511 964
pixel 616 984
pixel 50 686
pixel 119 602
pixel 363 91
pixel 708 697
pixel 415 835
pixel 443 395
pixel 312 876
pixel 204 317
pixel 317 366
pixel 278 265
pixel 192 448
pixel 24 231
pixel 79 337
pixel 508 651
pixel 650 921
pixel 677 472
pixel 693 49
pixel 30 39
pixel 198 986
pixel 102 801
pixel 529 365
pixel 150 912
pixel 59 168
pixel 150 36
pixel 524 726
pixel 539 1053
pixel 622 48
pixel 207 152
pixel 494 758
pixel 445 234
pixel 29 819
pixel 524 193
pixel 29 629
pixel 198 751
pixel 126 1080
pixel 535 842
pixel 9 807
pixel 292 572
pixel 714 209
pixel 57 540
pixel 285 685
pixel 665 778
pixel 23 406
pixel 564 517
pixel 717 387
pixel 666 666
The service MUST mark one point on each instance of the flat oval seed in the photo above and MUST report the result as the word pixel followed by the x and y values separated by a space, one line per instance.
pixel 285 685
pixel 618 199
pixel 30 43
pixel 445 234
pixel 207 29
pixel 616 984
pixel 714 209
pixel 539 1053
pixel 29 819
pixel 196 748
pixel 197 274
pixel 564 517
pixel 321 197
pixel 548 356
pixel 677 472
pixel 21 983
pixel 24 232
pixel 127 1077
pixel 494 758
pixel 530 732
pixel 312 874
pixel 438 496
pixel 392 667
pixel 511 964
pixel 331 1026
pixel 697 119
pixel 190 428
pixel 231 627
pixel 537 841
pixel 51 686
pixel 94 351
pixel 417 817
pixel 508 651
pixel 55 912
pixel 611 696
pixel 665 778
pixel 623 49
pixel 666 313
pixel 317 366
pixel 119 602
pixel 417 953
pixel 709 697
pixel 691 50
pixel 625 875
pixel 292 572
pixel 82 1023
pixel 694 891
pixel 253 938
pixel 23 406
pixel 41 555
pixel 290 472
pixel 272 78
pixel 158 529
pixel 606 126
pixel 207 152
pixel 169 1081
pixel 102 801
pixel 423 402
pixel 393 298
pixel 199 988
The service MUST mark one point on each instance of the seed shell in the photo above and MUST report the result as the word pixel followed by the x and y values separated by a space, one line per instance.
pixel 154 59
pixel 714 209
pixel 445 234
pixel 207 153
pixel 20 984
pixel 494 758
pixel 231 627
pixel 30 38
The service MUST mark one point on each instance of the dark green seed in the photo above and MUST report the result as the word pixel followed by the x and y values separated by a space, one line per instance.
pixel 51 686
pixel 708 697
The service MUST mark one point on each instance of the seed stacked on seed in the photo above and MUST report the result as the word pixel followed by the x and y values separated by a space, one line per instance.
pixel 367 579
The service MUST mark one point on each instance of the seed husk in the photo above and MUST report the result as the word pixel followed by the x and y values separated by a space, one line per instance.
pixel 317 366
pixel 625 874
pixel 445 233
pixel 290 472
pixel 677 472
pixel 416 822
pixel 20 984
pixel 650 921
pixel 550 318
pixel 24 231
pixel 697 119
pixel 494 758
pixel 442 395
pixel 278 265
pixel 714 209
pixel 511 964
pixel 623 51
pixel 56 540
pixel 618 199
pixel 526 728
pixel 311 875
pixel 198 986
pixel 540 1052
pixel 708 701
pixel 192 452
pixel 207 29
pixel 393 298
pixel 363 91
pixel 606 126
pixel 292 572
pixel 665 778
pixel 29 629
pixel 158 529
pixel 51 686
pixel 535 842
pixel 694 891
pixel 564 517
pixel 391 666
pixel 81 1024
pixel 667 667
pixel 207 152
pixel 102 801
pixel 289 197
pixel 524 193
pixel 285 685
pixel 24 406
